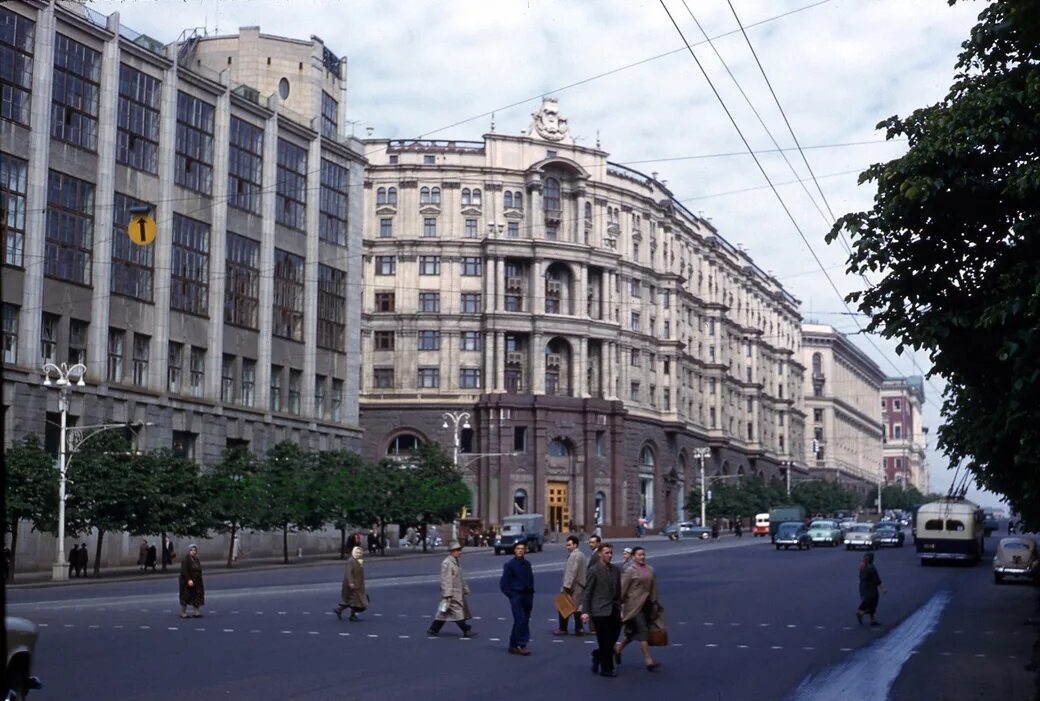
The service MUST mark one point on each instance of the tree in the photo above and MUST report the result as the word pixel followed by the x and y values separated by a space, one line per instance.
pixel 231 495
pixel 748 496
pixel 953 241
pixel 286 479
pixel 342 494
pixel 433 489
pixel 823 497
pixel 172 500
pixel 30 491
pixel 895 497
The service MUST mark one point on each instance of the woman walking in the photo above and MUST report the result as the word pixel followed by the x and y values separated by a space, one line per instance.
pixel 192 589
pixel 638 606
pixel 352 595
pixel 869 588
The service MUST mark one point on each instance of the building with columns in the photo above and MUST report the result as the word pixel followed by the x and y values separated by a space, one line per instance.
pixel 842 392
pixel 239 325
pixel 593 330
pixel 906 438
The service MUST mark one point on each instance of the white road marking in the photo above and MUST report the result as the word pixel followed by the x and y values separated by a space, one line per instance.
pixel 144 627
pixel 286 632
pixel 742 647
pixel 792 625
pixel 254 630
pixel 710 645
pixel 95 625
pixel 776 647
pixel 404 637
pixel 229 630
pixel 708 623
pixel 312 632
pixel 373 635
pixel 70 625
pixel 495 640
pixel 172 628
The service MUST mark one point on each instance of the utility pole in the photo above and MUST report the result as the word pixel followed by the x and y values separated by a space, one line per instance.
pixel 702 454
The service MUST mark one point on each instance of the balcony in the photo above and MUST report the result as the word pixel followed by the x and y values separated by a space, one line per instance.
pixel 553 287
pixel 515 284
pixel 514 358
pixel 553 216
pixel 552 360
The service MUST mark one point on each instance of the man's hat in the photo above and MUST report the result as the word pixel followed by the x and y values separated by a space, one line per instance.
pixel 454 545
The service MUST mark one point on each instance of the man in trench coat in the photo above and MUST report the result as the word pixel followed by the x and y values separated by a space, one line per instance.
pixel 454 605
pixel 573 585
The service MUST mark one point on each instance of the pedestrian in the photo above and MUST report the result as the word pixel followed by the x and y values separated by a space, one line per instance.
pixel 517 583
pixel 7 563
pixel 594 544
pixel 73 560
pixel 640 527
pixel 352 594
pixel 454 604
pixel 192 588
pixel 869 589
pixel 626 559
pixel 715 529
pixel 738 528
pixel 167 552
pixel 602 606
pixel 372 542
pixel 573 585
pixel 149 560
pixel 638 606
pixel 142 555
pixel 236 547
pixel 83 558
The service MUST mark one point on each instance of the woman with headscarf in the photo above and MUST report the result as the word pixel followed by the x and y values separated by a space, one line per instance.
pixel 192 589
pixel 638 606
pixel 352 595
pixel 869 588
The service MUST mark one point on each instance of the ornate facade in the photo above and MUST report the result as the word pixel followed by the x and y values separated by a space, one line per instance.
pixel 906 437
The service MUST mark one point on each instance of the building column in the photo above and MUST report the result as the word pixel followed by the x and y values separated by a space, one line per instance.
pixel 537 364
pixel 268 205
pixel 500 284
pixel 490 278
pixel 581 298
pixel 581 381
pixel 538 291
pixel 500 366
pixel 217 242
pixel 310 277
pixel 490 376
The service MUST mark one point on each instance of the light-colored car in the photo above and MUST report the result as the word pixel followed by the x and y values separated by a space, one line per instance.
pixel 688 529
pixel 21 645
pixel 825 532
pixel 861 535
pixel 1016 557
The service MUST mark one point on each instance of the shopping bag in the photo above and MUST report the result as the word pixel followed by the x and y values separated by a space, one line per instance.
pixel 657 636
pixel 565 604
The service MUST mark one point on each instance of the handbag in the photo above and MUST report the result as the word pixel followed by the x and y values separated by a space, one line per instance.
pixel 658 637
pixel 444 606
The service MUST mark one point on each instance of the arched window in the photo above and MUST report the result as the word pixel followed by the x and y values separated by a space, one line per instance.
pixel 508 199
pixel 424 195
pixel 520 501
pixel 403 444
pixel 391 196
pixel 588 211
pixel 435 195
pixel 557 449
pixel 476 197
pixel 601 508
pixel 646 456
pixel 466 196
pixel 817 364
pixel 518 200
pixel 551 191
pixel 381 196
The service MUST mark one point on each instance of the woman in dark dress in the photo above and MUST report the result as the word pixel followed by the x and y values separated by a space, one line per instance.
pixel 869 589
pixel 192 589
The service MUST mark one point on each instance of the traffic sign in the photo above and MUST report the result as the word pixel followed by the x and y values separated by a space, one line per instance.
pixel 141 229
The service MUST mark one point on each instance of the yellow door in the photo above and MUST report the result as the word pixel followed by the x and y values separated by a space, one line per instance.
pixel 558 507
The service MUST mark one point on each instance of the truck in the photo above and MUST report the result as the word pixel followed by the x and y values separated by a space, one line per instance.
pixel 782 514
pixel 523 528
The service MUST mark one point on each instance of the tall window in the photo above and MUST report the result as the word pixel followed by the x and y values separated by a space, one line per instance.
pixel 276 388
pixel 12 201
pixel 189 276
pixel 295 378
pixel 319 396
pixel 116 341
pixel 77 341
pixel 384 301
pixel 49 337
pixel 245 165
pixel 76 91
pixel 132 266
pixel 137 119
pixel 429 301
pixel 383 340
pixel 17 35
pixel 332 308
pixel 469 341
pixel 470 303
pixel 194 169
pixel 288 295
pixel 248 381
pixel 513 230
pixel 335 181
pixel 142 344
pixel 329 115
pixel 197 372
pixel 336 401
pixel 471 229
pixel 551 194
pixel 174 367
pixel 429 227
pixel 227 379
pixel 383 378
pixel 242 287
pixel 386 228
pixel 291 189
pixel 70 228
pixel 9 315
pixel 429 378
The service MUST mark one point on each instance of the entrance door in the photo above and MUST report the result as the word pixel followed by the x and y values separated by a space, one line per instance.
pixel 558 506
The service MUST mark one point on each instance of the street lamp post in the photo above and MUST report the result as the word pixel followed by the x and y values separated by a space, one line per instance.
pixel 459 422
pixel 703 454
pixel 787 465
pixel 65 377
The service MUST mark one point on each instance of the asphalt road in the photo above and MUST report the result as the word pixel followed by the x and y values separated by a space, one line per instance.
pixel 745 622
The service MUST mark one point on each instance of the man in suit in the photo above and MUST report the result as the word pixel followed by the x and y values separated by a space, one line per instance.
pixel 573 584
pixel 517 584
pixel 602 605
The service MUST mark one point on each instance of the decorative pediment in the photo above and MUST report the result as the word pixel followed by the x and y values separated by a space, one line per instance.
pixel 384 210
pixel 471 211
pixel 514 213
pixel 430 209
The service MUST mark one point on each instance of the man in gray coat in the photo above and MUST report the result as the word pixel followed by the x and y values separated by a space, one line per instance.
pixel 602 605
pixel 454 604
pixel 573 585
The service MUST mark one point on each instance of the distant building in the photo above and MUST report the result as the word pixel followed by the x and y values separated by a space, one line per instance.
pixel 906 439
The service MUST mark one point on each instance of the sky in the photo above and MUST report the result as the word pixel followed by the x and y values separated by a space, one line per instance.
pixel 624 78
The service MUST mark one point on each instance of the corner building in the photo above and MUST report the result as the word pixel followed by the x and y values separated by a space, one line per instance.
pixel 594 329
pixel 906 437
pixel 239 325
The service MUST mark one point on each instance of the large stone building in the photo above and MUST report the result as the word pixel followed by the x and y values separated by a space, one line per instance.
pixel 842 392
pixel 593 330
pixel 906 438
pixel 239 325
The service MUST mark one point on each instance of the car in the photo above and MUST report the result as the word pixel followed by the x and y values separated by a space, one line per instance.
pixel 21 637
pixel 844 524
pixel 990 525
pixel 861 535
pixel 688 529
pixel 825 532
pixel 889 533
pixel 792 533
pixel 1016 557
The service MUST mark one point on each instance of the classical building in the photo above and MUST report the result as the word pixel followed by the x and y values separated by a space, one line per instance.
pixel 586 329
pixel 906 438
pixel 239 324
pixel 842 391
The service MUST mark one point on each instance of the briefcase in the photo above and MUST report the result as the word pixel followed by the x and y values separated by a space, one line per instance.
pixel 565 604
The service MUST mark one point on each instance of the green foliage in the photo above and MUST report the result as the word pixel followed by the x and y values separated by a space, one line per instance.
pixel 173 501
pixel 744 497
pixel 30 485
pixel 824 497
pixel 895 497
pixel 108 487
pixel 287 494
pixel 953 240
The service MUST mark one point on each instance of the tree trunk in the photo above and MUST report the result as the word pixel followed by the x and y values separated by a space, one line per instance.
pixel 97 552
pixel 231 547
pixel 382 539
pixel 285 543
pixel 162 544
pixel 343 542
pixel 422 531
pixel 14 549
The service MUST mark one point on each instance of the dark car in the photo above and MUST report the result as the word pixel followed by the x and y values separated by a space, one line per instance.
pixel 793 533
pixel 21 645
pixel 889 534
pixel 990 525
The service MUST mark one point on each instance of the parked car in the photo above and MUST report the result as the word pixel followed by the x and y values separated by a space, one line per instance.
pixel 792 533
pixel 688 529
pixel 889 533
pixel 1016 557
pixel 21 645
pixel 825 532
pixel 861 535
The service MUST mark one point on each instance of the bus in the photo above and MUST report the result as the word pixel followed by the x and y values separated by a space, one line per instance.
pixel 949 529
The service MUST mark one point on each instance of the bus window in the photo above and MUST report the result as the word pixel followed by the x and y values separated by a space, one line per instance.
pixel 934 524
pixel 954 525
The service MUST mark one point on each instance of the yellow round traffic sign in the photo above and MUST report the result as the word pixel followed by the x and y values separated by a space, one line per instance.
pixel 141 229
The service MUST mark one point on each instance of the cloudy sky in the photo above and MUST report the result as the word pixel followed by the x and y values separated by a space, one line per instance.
pixel 624 77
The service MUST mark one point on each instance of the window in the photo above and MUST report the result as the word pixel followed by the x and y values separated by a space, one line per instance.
pixel 70 228
pixel 131 264
pixel 189 278
pixel 183 444
pixel 507 199
pixel 635 358
pixel 635 288
pixel 116 340
pixel 49 337
pixel 386 265
pixel 513 230
pixel 429 265
pixel 332 308
pixel 469 341
pixel 519 439
pixel 142 346
pixel 552 232
pixel 471 229
pixel 248 381
pixel 295 379
pixel 242 286
pixel 557 449
pixel 383 340
pixel 288 295
pixel 13 173
pixel 429 227
pixel 898 431
pixel 17 35
pixel 466 196
pixel 429 378
pixel 635 321
pixel 291 185
pixel 391 195
pixel 471 266
pixel 470 303
pixel 384 301
pixel 332 207
pixel 197 371
pixel 666 299
pixel 817 415
pixel 9 314
pixel 429 159
pixel 429 340
pixel 429 301
pixel 227 379
pixel 666 366
pixel 897 405
pixel 430 196
pixel 383 378
pixel 712 386
pixel 319 396
pixel 380 196
pixel 194 169
pixel 76 88
pixel 551 194
pixel 336 400
pixel 174 367
pixel 276 388
pixel 245 165
pixel 137 120
pixel 711 327
pixel 77 341
pixel 514 380
pixel 329 115
pixel 386 228
pixel 633 392
pixel 469 378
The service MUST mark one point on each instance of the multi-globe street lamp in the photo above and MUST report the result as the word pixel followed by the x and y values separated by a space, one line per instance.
pixel 65 376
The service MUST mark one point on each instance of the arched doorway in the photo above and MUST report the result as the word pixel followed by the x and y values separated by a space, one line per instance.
pixel 647 464
pixel 559 459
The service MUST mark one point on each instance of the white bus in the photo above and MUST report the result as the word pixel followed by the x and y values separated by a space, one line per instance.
pixel 950 529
